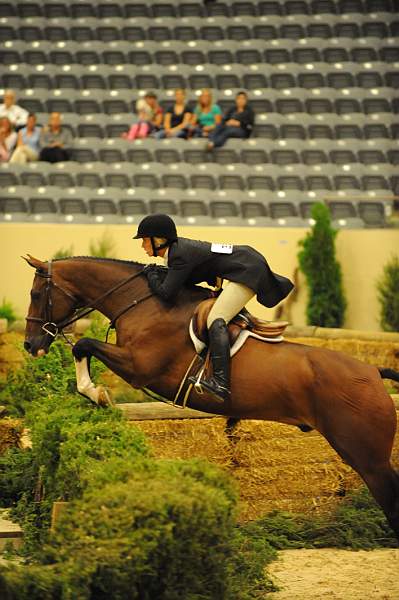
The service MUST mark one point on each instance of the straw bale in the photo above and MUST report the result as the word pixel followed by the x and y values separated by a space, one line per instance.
pixel 275 465
pixel 188 438
pixel 10 433
pixel 380 354
pixel 11 353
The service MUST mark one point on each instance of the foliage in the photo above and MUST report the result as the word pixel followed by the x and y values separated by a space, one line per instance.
pixel 53 374
pixel 63 253
pixel 7 311
pixel 356 523
pixel 326 304
pixel 388 295
pixel 134 527
pixel 103 247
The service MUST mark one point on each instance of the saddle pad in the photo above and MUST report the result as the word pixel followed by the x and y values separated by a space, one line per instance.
pixel 240 341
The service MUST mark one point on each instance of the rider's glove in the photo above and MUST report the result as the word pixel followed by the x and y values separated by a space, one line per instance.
pixel 150 268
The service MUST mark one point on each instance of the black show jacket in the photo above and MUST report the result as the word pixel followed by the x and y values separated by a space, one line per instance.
pixel 191 262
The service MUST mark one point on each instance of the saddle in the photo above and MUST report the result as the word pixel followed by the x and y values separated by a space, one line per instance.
pixel 268 331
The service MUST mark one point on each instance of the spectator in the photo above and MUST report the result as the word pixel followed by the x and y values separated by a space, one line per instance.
pixel 149 118
pixel 206 116
pixel 12 111
pixel 177 118
pixel 8 139
pixel 237 123
pixel 27 143
pixel 55 141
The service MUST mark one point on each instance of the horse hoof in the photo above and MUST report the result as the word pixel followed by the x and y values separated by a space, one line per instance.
pixel 104 398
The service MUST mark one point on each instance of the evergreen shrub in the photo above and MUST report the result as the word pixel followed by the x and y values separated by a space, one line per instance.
pixel 388 295
pixel 326 303
pixel 135 527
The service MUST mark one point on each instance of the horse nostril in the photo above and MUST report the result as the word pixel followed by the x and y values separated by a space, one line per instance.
pixel 27 346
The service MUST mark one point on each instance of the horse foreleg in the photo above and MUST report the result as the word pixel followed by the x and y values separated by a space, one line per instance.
pixel 116 358
pixel 97 394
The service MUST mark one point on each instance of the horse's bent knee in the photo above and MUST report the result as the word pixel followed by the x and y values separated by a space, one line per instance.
pixel 82 349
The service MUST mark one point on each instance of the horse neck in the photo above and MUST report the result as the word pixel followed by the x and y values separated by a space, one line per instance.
pixel 88 279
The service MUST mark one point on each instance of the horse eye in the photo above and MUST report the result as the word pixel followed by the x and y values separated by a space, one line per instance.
pixel 35 295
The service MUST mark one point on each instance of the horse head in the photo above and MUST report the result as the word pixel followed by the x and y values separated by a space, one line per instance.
pixel 50 305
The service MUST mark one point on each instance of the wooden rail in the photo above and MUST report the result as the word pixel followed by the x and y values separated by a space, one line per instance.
pixel 146 411
pixel 155 411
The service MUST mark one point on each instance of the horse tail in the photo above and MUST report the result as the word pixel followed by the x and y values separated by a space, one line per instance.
pixel 389 374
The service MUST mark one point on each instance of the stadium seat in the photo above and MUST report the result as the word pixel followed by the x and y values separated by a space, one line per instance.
pixel 372 213
pixel 163 206
pixel 61 180
pixel 72 206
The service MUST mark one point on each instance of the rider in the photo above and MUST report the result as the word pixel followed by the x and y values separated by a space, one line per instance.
pixel 193 261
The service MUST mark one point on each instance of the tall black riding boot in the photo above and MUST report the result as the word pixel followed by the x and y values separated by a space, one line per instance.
pixel 219 346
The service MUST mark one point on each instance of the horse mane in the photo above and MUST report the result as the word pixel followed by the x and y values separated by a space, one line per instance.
pixel 189 288
pixel 131 263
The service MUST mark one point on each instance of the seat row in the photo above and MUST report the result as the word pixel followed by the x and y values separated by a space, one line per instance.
pixel 170 8
pixel 282 105
pixel 85 208
pixel 314 181
pixel 89 150
pixel 122 30
pixel 201 54
pixel 77 78
pixel 284 135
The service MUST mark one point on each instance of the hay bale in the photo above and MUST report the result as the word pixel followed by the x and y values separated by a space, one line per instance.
pixel 10 433
pixel 380 354
pixel 11 352
pixel 275 465
pixel 199 438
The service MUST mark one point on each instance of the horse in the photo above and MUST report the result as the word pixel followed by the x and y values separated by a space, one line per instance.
pixel 342 398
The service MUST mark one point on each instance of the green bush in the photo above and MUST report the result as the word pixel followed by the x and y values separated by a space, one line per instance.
pixel 63 253
pixel 356 523
pixel 103 247
pixel 135 527
pixel 7 311
pixel 326 303
pixel 388 295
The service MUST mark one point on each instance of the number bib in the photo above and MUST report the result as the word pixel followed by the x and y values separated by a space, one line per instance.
pixel 222 248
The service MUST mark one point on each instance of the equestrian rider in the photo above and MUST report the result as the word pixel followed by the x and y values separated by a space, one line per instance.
pixel 191 261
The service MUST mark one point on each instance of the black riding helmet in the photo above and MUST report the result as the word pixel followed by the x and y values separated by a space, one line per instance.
pixel 161 226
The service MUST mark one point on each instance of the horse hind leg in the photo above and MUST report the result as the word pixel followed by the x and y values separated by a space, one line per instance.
pixel 383 483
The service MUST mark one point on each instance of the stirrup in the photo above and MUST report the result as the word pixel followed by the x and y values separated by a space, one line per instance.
pixel 219 392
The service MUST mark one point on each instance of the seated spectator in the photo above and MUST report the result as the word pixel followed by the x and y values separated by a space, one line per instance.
pixel 12 111
pixel 237 123
pixel 177 118
pixel 206 116
pixel 55 141
pixel 27 143
pixel 8 139
pixel 149 118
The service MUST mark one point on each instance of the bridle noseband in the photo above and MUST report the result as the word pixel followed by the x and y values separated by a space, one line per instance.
pixel 52 328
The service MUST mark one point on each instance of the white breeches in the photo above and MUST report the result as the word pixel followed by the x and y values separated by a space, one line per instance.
pixel 231 300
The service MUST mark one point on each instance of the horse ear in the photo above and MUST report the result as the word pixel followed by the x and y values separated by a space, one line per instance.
pixel 35 262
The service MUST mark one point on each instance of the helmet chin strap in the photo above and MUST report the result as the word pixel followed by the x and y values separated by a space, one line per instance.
pixel 160 247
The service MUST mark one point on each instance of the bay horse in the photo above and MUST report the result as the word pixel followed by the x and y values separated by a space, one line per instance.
pixel 339 396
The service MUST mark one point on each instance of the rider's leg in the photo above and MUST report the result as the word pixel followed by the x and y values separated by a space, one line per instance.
pixel 228 304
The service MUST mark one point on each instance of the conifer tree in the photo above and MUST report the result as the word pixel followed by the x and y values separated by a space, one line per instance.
pixel 388 295
pixel 326 303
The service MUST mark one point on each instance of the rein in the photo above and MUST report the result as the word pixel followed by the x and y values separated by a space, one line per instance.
pixel 48 324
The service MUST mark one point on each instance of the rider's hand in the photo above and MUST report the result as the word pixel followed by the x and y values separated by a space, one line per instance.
pixel 148 268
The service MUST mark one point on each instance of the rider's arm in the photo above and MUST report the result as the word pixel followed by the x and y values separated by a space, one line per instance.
pixel 178 273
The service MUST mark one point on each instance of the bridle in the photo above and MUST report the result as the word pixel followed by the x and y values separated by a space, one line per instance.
pixel 52 328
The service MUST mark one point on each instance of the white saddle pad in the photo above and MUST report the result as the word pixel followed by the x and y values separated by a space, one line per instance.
pixel 240 341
